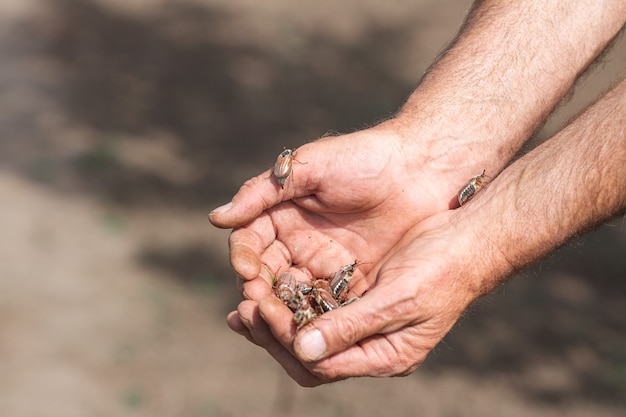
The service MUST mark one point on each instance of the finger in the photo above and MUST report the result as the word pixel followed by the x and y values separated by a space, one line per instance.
pixel 255 289
pixel 280 322
pixel 262 336
pixel 237 325
pixel 263 191
pixel 255 195
pixel 275 259
pixel 379 311
pixel 284 236
pixel 279 318
pixel 248 243
pixel 375 356
pixel 273 262
pixel 394 354
pixel 397 353
pixel 358 287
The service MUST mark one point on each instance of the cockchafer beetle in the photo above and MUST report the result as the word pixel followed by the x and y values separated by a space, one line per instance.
pixel 305 287
pixel 304 314
pixel 284 166
pixel 323 297
pixel 349 301
pixel 341 279
pixel 287 290
pixel 285 286
pixel 471 187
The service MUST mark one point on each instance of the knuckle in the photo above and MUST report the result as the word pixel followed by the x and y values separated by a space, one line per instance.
pixel 326 371
pixel 394 313
pixel 397 367
pixel 250 184
pixel 346 330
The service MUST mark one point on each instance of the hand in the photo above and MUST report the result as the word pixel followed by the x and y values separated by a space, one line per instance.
pixel 349 197
pixel 417 293
pixel 444 263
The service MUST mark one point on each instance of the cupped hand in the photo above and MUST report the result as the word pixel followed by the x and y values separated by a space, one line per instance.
pixel 349 197
pixel 412 299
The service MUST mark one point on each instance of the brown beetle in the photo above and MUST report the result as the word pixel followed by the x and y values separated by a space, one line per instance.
pixel 471 187
pixel 323 296
pixel 341 279
pixel 284 166
pixel 304 314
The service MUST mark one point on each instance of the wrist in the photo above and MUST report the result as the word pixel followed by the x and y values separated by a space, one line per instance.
pixel 566 186
pixel 492 88
pixel 448 153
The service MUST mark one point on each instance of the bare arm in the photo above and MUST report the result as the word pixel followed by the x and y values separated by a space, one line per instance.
pixel 566 186
pixel 511 63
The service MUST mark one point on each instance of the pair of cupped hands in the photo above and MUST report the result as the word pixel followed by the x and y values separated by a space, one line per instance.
pixel 374 196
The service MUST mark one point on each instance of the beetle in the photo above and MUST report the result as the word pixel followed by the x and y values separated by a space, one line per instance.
pixel 341 279
pixel 304 314
pixel 323 297
pixel 285 287
pixel 471 187
pixel 305 287
pixel 284 166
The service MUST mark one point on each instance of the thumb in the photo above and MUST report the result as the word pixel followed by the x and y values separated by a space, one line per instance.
pixel 260 193
pixel 341 328
pixel 255 195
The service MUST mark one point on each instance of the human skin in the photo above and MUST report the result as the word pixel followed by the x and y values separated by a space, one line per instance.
pixel 569 184
pixel 507 69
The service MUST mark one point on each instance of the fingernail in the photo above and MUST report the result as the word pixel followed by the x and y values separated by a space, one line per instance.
pixel 222 209
pixel 312 345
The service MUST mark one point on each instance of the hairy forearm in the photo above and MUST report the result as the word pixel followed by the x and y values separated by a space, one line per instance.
pixel 511 63
pixel 570 183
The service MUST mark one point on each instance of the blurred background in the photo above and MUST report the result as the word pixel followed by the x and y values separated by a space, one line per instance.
pixel 124 122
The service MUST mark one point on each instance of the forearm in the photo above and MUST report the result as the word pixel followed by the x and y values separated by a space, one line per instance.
pixel 510 65
pixel 571 183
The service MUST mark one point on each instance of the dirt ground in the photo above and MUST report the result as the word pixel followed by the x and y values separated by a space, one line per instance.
pixel 124 122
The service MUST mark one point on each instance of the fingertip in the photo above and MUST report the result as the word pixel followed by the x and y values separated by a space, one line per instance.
pixel 244 261
pixel 234 322
pixel 255 289
pixel 254 197
pixel 248 313
pixel 218 216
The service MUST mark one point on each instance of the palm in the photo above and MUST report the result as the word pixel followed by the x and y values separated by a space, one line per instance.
pixel 348 198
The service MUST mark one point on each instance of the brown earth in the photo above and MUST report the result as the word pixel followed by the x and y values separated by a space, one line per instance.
pixel 124 122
